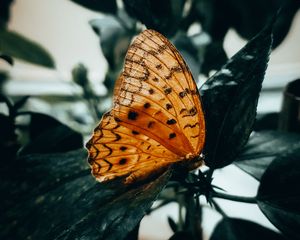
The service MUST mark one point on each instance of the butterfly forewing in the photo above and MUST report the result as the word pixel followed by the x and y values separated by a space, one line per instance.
pixel 158 86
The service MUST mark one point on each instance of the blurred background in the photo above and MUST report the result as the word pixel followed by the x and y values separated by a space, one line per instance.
pixel 77 48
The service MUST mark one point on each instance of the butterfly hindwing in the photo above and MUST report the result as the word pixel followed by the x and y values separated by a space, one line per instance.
pixel 116 151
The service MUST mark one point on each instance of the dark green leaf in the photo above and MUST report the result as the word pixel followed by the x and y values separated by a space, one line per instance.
pixel 4 12
pixel 240 14
pixel 7 58
pixel 7 101
pixel 214 57
pixel 263 147
pixel 217 17
pixel 237 229
pixel 289 119
pixel 48 135
pixel 120 215
pixel 268 121
pixel 106 6
pixel 162 16
pixel 230 99
pixel 279 194
pixel 15 45
pixel 114 40
pixel 59 189
pixel 181 235
pixel 8 139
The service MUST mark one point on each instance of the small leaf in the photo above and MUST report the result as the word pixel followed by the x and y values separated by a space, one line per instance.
pixel 7 58
pixel 5 12
pixel 237 229
pixel 49 135
pixel 5 99
pixel 162 16
pixel 263 147
pixel 114 40
pixel 15 45
pixel 20 103
pixel 230 99
pixel 172 224
pixel 105 6
pixel 279 194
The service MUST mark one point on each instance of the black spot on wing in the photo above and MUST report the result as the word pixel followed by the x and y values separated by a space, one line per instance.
pixel 172 135
pixel 135 132
pixel 168 91
pixel 168 106
pixel 132 115
pixel 147 105
pixel 171 121
pixel 123 148
pixel 122 161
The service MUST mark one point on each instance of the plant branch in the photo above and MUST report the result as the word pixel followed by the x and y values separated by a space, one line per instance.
pixel 233 197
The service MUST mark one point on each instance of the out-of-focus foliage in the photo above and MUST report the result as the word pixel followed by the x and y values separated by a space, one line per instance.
pixel 17 46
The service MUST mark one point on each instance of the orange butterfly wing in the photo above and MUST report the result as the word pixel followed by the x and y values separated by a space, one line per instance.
pixel 156 101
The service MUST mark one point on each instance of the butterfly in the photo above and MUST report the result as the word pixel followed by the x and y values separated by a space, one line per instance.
pixel 156 119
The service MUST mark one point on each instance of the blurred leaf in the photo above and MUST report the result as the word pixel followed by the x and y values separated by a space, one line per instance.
pixel 188 50
pixel 20 103
pixel 162 16
pixel 15 45
pixel 114 40
pixel 241 19
pixel 214 17
pixel 7 101
pixel 105 6
pixel 217 17
pixel 279 194
pixel 48 135
pixel 263 147
pixel 172 224
pixel 6 128
pixel 230 98
pixel 4 12
pixel 214 57
pixel 237 229
pixel 181 235
pixel 7 58
pixel 80 75
pixel 59 189
pixel 268 121
pixel 8 140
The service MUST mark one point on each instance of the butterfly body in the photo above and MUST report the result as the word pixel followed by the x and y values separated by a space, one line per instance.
pixel 156 119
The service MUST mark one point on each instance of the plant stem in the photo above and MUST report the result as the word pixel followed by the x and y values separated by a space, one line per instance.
pixel 234 197
pixel 218 208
